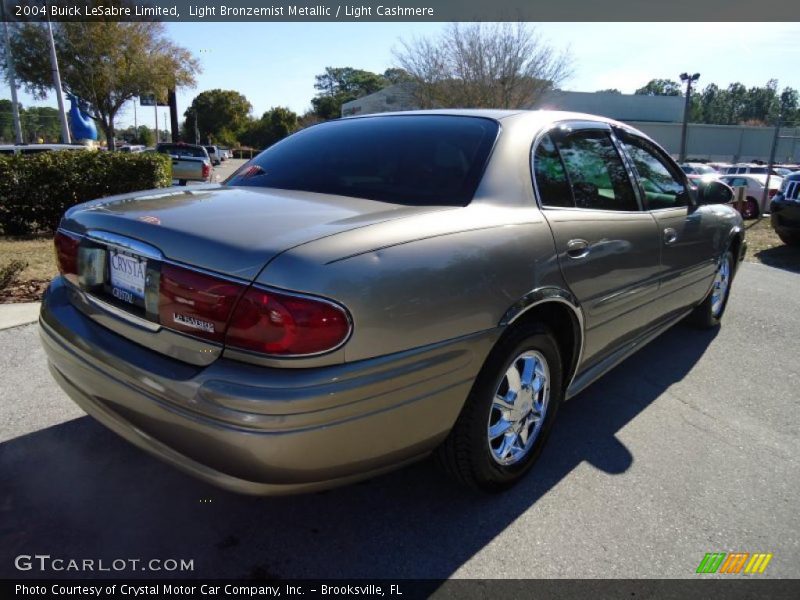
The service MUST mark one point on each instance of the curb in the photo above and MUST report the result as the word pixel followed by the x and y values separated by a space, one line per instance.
pixel 16 314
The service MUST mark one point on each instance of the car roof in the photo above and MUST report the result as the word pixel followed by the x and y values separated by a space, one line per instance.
pixel 544 116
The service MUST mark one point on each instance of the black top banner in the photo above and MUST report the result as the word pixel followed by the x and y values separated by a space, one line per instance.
pixel 399 10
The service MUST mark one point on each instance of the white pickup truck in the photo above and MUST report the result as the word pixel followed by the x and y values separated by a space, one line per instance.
pixel 189 162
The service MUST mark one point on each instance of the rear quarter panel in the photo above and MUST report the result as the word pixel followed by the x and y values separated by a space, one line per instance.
pixel 464 270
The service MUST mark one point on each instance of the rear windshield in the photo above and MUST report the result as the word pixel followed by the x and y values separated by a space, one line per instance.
pixel 180 150
pixel 415 160
pixel 210 149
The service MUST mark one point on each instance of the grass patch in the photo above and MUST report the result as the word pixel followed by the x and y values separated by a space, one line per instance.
pixel 764 246
pixel 37 252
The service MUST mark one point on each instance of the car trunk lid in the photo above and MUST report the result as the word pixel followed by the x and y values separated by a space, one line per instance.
pixel 166 268
pixel 232 231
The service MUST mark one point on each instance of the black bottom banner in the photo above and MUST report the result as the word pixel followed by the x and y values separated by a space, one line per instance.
pixel 409 589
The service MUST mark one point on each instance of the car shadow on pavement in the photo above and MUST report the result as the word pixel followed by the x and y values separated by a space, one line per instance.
pixel 78 491
pixel 782 257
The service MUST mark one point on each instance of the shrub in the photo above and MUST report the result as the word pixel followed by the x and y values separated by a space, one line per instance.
pixel 9 272
pixel 36 189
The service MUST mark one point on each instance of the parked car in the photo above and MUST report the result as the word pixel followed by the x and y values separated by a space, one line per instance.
pixel 785 211
pixel 697 172
pixel 133 148
pixel 719 167
pixel 749 169
pixel 374 289
pixel 214 155
pixel 7 149
pixel 754 205
pixel 224 153
pixel 189 162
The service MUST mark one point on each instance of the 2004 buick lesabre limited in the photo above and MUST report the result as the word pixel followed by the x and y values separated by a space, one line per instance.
pixel 374 289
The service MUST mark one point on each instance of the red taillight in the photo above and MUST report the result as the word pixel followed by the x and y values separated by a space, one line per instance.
pixel 196 303
pixel 273 323
pixel 206 170
pixel 245 318
pixel 66 246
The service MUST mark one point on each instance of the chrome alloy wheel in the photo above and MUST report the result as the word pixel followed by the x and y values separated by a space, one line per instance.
pixel 519 408
pixel 719 290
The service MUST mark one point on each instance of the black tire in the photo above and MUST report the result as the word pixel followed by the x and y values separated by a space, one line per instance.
pixel 704 316
pixel 790 239
pixel 466 454
pixel 181 182
pixel 750 209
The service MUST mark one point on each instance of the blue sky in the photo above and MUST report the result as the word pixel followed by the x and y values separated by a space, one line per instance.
pixel 274 63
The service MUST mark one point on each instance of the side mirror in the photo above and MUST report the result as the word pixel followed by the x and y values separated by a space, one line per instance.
pixel 714 192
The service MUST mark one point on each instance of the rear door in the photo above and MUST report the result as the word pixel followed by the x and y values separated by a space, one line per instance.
pixel 686 231
pixel 608 248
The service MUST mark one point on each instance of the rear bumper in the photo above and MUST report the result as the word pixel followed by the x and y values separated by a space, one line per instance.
pixel 260 430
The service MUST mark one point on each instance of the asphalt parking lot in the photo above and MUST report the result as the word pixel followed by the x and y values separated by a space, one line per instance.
pixel 223 171
pixel 691 446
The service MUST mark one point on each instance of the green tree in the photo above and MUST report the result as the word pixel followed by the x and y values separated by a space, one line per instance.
pixel 608 91
pixel 143 135
pixel 105 64
pixel 660 87
pixel 221 116
pixel 6 120
pixel 396 75
pixel 273 126
pixel 338 85
pixel 737 104
pixel 40 123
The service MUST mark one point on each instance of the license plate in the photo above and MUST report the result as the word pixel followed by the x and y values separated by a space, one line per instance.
pixel 127 276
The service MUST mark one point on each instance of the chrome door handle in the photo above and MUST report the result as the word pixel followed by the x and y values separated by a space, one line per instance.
pixel 577 248
pixel 670 236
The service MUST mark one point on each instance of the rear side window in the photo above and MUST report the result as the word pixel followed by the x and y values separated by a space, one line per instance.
pixel 413 160
pixel 180 150
pixel 551 178
pixel 596 173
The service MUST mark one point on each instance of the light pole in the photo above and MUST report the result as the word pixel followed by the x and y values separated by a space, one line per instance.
pixel 689 79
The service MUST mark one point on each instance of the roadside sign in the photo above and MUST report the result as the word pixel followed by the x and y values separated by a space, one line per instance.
pixel 150 100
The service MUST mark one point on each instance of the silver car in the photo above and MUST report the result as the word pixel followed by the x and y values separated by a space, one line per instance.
pixel 376 289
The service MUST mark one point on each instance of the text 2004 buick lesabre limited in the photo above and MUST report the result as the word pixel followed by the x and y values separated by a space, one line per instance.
pixel 370 290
